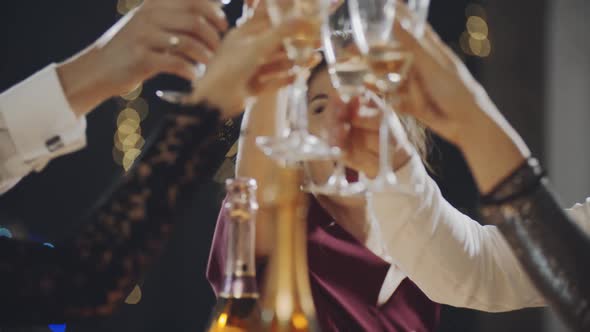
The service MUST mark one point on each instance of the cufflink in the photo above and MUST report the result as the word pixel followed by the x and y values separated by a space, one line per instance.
pixel 55 143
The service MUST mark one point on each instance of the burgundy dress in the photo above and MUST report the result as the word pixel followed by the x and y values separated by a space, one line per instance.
pixel 346 278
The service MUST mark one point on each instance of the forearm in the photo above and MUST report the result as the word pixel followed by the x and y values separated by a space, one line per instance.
pixel 259 120
pixel 492 148
pixel 549 245
pixel 84 82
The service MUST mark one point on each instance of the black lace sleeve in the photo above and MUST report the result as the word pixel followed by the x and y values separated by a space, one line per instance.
pixel 93 273
pixel 549 245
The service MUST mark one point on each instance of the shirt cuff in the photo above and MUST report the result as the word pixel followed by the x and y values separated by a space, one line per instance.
pixel 40 120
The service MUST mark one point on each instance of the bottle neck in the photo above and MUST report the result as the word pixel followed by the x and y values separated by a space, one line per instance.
pixel 240 269
pixel 287 295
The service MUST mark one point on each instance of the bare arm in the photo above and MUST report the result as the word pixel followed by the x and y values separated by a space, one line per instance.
pixel 259 120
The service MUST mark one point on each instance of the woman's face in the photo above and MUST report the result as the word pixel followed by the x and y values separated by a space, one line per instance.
pixel 320 111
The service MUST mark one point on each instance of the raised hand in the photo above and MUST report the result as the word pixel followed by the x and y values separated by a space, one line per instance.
pixel 160 36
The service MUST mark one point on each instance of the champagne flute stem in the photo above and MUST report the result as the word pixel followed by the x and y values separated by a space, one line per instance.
pixel 298 114
pixel 384 155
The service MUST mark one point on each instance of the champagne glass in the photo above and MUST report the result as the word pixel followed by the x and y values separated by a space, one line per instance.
pixel 293 141
pixel 372 23
pixel 347 69
pixel 419 9
pixel 180 97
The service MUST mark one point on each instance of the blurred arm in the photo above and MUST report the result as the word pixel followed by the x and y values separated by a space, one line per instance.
pixel 259 120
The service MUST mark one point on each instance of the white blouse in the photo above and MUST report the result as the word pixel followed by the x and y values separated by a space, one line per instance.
pixel 452 258
pixel 37 124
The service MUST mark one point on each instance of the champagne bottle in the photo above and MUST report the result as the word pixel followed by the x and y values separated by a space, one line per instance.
pixel 237 308
pixel 287 302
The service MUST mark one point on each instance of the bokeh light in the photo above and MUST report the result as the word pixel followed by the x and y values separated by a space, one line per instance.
pixel 5 232
pixel 128 140
pixel 129 158
pixel 133 94
pixel 128 114
pixel 464 43
pixel 140 106
pixel 135 296
pixel 57 327
pixel 477 28
pixel 474 41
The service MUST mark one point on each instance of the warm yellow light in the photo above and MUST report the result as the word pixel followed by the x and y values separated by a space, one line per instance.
pixel 477 27
pixel 128 126
pixel 222 320
pixel 464 43
pixel 128 113
pixel 134 297
pixel 481 48
pixel 133 94
pixel 284 301
pixel 119 142
pixel 299 321
pixel 129 158
pixel 475 46
pixel 486 48
pixel 133 141
pixel 141 106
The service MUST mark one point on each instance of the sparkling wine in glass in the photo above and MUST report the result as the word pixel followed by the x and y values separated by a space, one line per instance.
pixel 294 142
pixel 372 24
pixel 390 65
pixel 347 68
pixel 181 97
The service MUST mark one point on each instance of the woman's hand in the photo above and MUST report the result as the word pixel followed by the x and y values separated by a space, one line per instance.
pixel 441 91
pixel 249 62
pixel 358 135
pixel 442 94
pixel 160 36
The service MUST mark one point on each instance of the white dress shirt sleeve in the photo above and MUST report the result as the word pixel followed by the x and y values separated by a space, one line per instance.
pixel 452 258
pixel 37 124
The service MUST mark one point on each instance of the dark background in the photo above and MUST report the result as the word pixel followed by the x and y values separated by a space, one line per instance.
pixel 176 296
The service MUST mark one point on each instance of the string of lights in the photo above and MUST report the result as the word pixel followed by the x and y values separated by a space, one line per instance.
pixel 128 140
